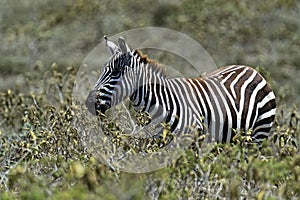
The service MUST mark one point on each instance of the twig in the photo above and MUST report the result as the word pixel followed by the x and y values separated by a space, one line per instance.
pixel 4 178
pixel 36 105
pixel 128 113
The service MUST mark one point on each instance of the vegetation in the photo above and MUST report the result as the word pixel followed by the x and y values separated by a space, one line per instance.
pixel 42 151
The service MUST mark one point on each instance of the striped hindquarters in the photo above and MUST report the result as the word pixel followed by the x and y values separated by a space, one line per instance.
pixel 235 99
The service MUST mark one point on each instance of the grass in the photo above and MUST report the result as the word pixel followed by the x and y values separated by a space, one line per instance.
pixel 43 155
pixel 42 150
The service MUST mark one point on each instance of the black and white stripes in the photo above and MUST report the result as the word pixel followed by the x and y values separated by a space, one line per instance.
pixel 232 99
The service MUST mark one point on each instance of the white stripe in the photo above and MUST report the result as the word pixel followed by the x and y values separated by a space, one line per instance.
pixel 174 111
pixel 235 81
pixel 217 103
pixel 242 99
pixel 228 112
pixel 224 80
pixel 252 101
pixel 267 114
pixel 268 125
pixel 198 94
pixel 184 106
pixel 209 104
pixel 261 104
pixel 192 103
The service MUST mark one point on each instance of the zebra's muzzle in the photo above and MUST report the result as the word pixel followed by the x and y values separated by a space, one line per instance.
pixel 101 108
pixel 94 105
pixel 90 102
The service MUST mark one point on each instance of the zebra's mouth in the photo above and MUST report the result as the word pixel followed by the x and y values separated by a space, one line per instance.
pixel 101 108
pixel 96 106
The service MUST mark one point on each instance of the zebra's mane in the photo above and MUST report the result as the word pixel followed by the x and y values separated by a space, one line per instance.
pixel 151 63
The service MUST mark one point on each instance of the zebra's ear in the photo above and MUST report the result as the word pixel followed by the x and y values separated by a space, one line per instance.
pixel 123 46
pixel 113 48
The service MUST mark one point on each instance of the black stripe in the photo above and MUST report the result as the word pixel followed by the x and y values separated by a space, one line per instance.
pixel 208 117
pixel 225 130
pixel 263 121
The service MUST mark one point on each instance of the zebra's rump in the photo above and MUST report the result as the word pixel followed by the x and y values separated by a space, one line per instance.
pixel 235 99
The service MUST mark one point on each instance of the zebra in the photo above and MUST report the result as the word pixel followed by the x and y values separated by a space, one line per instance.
pixel 230 100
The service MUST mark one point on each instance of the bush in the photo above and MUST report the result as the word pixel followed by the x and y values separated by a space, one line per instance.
pixel 43 156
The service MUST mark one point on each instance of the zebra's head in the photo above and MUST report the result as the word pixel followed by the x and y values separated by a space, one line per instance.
pixel 115 81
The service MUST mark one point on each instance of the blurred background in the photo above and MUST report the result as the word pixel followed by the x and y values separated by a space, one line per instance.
pixel 266 34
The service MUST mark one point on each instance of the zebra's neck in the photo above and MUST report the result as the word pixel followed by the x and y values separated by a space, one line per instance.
pixel 152 93
pixel 160 96
pixel 149 82
pixel 148 75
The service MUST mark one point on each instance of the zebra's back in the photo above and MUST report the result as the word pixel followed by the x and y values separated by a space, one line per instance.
pixel 235 99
